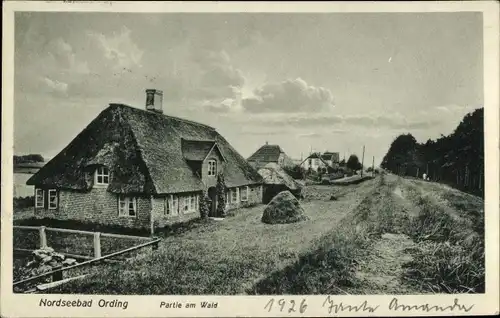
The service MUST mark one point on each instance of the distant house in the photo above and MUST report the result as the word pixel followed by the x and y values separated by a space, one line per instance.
pixel 314 162
pixel 277 180
pixel 140 168
pixel 331 158
pixel 269 154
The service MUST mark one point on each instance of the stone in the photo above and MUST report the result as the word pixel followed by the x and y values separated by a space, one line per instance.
pixel 58 256
pixel 46 259
pixel 69 262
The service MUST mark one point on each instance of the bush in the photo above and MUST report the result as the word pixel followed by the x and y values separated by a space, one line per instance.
pixel 24 202
pixel 204 205
pixel 221 195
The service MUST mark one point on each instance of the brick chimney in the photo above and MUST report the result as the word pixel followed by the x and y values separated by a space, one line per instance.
pixel 154 100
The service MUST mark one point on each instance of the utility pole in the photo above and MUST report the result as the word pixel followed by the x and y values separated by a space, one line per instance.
pixel 373 166
pixel 362 160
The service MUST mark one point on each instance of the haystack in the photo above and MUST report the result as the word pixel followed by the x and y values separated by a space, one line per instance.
pixel 277 180
pixel 283 208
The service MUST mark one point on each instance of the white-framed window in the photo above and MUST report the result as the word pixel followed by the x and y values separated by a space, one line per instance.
pixel 228 197
pixel 39 198
pixel 212 167
pixel 175 205
pixel 235 195
pixel 102 175
pixel 52 199
pixel 244 194
pixel 190 203
pixel 127 206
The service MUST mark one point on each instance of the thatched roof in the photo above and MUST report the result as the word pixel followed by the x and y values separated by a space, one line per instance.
pixel 198 150
pixel 267 153
pixel 144 151
pixel 274 174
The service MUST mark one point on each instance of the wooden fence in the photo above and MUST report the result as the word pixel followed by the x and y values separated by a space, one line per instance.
pixel 42 230
pixel 57 274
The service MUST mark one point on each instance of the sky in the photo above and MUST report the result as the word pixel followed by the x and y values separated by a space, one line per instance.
pixel 320 82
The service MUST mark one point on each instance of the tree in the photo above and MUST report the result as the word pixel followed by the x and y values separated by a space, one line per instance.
pixel 221 195
pixel 28 158
pixel 353 163
pixel 456 159
pixel 204 206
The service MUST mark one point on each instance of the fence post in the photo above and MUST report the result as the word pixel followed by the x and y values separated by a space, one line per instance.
pixel 43 237
pixel 155 246
pixel 58 274
pixel 97 244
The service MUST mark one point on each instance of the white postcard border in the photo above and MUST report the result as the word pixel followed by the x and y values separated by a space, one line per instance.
pixel 15 305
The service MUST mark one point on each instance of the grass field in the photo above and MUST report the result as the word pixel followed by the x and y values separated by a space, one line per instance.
pixel 226 257
pixel 386 235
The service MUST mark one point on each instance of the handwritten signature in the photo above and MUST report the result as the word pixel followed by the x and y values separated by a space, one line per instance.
pixel 394 304
pixel 340 307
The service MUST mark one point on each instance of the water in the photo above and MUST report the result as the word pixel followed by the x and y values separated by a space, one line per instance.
pixel 20 187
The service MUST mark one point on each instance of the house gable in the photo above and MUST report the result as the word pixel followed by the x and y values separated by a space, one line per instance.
pixel 107 140
pixel 216 157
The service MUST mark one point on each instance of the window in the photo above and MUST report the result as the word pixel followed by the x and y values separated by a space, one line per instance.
pixel 52 199
pixel 212 167
pixel 168 206
pixel 244 194
pixel 234 195
pixel 127 206
pixel 310 162
pixel 175 205
pixel 102 176
pixel 39 202
pixel 190 203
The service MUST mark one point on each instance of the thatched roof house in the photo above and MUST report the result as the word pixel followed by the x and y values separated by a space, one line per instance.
pixel 269 154
pixel 157 165
pixel 277 180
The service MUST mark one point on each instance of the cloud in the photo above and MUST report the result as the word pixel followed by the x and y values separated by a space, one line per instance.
pixel 61 56
pixel 289 96
pixel 338 123
pixel 54 85
pixel 119 48
pixel 215 81
pixel 309 135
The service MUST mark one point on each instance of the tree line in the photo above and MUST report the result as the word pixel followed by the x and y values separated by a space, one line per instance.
pixel 31 158
pixel 456 159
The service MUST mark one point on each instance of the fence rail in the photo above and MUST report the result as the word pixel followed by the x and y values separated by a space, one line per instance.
pixel 96 236
pixel 57 274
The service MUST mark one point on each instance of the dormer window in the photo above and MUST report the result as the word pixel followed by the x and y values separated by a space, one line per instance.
pixel 212 167
pixel 102 176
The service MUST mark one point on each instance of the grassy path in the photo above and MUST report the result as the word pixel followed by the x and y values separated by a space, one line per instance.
pixel 226 257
